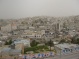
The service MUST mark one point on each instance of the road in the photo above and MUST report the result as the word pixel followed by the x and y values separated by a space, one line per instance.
pixel 66 56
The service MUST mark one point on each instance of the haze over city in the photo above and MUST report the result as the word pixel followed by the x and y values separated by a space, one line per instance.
pixel 28 8
pixel 39 29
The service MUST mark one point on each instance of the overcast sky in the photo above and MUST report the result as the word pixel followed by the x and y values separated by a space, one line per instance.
pixel 29 8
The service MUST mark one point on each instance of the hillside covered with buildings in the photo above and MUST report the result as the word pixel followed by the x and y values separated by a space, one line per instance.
pixel 17 34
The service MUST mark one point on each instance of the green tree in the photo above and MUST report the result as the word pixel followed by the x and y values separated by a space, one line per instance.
pixel 50 43
pixel 73 40
pixel 34 43
pixel 8 42
pixel 36 48
pixel 62 41
pixel 77 40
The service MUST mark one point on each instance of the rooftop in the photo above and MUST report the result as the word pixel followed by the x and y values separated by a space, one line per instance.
pixel 66 45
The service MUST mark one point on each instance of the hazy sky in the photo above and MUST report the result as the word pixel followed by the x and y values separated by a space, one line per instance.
pixel 25 8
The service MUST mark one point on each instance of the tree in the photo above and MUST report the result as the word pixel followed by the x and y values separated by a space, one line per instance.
pixel 34 43
pixel 73 40
pixel 36 49
pixel 77 40
pixel 8 42
pixel 50 43
pixel 62 41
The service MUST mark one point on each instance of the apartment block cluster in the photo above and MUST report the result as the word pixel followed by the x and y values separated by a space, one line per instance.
pixel 41 29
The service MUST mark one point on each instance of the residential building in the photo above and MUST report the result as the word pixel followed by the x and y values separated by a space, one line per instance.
pixel 26 42
pixel 66 48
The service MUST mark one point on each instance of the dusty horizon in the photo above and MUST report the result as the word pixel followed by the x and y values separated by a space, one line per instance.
pixel 16 9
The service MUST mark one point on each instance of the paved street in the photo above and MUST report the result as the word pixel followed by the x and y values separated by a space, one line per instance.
pixel 74 55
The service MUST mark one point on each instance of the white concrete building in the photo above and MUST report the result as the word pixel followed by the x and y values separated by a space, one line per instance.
pixel 6 28
pixel 9 27
pixel 66 48
pixel 26 42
